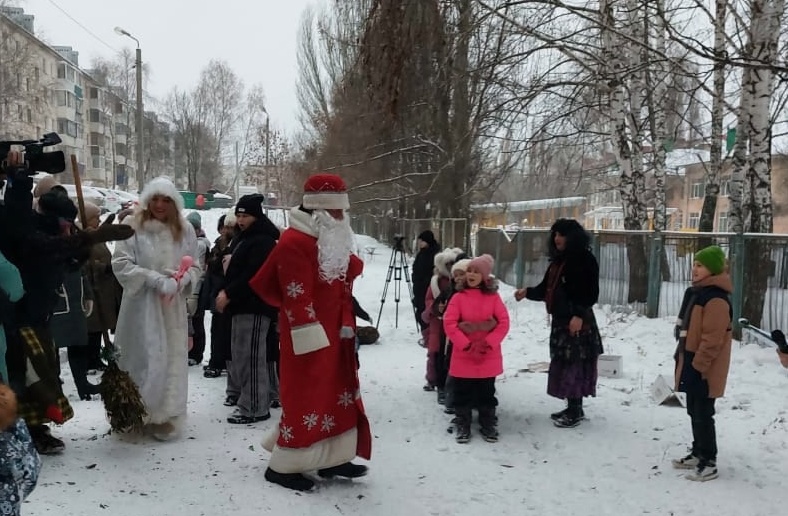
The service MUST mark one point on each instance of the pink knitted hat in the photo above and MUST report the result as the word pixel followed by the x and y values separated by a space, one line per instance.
pixel 483 264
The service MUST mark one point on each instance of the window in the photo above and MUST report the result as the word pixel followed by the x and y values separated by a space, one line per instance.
pixel 120 129
pixel 697 191
pixel 67 127
pixel 61 70
pixel 29 115
pixel 21 112
pixel 725 188
pixel 722 222
pixel 693 222
pixel 94 115
pixel 93 93
pixel 27 84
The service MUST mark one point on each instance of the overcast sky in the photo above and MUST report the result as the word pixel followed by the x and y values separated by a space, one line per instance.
pixel 178 37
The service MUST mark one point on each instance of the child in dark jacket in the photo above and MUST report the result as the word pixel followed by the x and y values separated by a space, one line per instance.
pixel 703 356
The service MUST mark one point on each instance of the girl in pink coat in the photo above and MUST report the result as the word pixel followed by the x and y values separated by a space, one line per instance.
pixel 476 322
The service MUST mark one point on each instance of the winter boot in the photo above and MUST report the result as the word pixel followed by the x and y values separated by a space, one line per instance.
pixel 572 416
pixel 294 481
pixel 347 470
pixel 441 396
pixel 705 471
pixel 691 461
pixel 45 442
pixel 489 424
pixel 462 424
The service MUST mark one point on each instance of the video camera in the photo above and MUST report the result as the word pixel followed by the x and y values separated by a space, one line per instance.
pixel 398 243
pixel 32 158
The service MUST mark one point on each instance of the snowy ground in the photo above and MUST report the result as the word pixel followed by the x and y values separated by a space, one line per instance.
pixel 616 463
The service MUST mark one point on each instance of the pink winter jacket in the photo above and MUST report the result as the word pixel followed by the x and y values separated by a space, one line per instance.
pixel 476 354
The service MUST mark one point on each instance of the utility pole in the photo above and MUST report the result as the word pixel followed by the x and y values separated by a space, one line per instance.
pixel 140 111
pixel 237 174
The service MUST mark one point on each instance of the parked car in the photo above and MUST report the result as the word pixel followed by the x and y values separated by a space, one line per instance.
pixel 221 200
pixel 89 194
pixel 127 199
pixel 111 200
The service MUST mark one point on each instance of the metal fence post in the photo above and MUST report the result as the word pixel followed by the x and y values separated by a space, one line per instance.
pixel 596 245
pixel 498 238
pixel 737 297
pixel 654 275
pixel 519 266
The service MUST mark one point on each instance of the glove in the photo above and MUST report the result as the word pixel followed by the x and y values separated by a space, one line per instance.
pixel 779 338
pixel 88 307
pixel 109 221
pixel 166 286
pixel 109 233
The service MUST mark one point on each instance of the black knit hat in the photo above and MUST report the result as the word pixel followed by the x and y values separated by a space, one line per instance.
pixel 428 237
pixel 54 203
pixel 251 204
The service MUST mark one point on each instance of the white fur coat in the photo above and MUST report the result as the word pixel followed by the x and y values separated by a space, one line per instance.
pixel 152 335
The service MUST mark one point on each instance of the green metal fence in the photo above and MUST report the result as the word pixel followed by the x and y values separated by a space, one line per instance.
pixel 649 272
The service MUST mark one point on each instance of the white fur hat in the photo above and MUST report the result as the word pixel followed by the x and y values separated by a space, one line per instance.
pixel 229 217
pixel 161 186
pixel 446 257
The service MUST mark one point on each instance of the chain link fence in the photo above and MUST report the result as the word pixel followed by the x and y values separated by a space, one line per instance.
pixel 649 272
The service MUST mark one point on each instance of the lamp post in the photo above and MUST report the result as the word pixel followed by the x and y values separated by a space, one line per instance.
pixel 140 112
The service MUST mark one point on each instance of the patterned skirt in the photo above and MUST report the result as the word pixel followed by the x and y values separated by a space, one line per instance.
pixel 573 361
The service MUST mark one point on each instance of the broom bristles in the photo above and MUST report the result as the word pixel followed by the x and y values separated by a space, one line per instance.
pixel 122 400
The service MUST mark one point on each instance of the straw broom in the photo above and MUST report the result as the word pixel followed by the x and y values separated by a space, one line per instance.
pixel 122 401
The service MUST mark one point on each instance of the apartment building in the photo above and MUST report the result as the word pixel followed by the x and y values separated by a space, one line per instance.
pixel 43 89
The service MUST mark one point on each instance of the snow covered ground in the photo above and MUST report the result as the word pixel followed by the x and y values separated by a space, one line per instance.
pixel 618 462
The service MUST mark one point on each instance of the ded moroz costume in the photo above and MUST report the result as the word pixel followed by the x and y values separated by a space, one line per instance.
pixel 309 276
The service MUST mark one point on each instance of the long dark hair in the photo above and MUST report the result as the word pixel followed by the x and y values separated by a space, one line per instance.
pixel 577 238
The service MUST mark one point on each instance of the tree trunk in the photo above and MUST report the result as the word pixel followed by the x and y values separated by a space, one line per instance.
pixel 714 168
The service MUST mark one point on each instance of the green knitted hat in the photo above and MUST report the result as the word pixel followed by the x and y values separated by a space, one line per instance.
pixel 713 258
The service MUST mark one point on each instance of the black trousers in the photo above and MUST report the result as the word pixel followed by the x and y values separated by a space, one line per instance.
pixel 441 366
pixel 198 347
pixel 221 331
pixel 474 393
pixel 704 436
pixel 94 350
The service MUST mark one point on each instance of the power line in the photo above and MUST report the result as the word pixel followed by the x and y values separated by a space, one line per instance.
pixel 82 26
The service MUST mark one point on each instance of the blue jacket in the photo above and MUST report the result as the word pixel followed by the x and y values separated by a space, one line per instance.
pixel 11 291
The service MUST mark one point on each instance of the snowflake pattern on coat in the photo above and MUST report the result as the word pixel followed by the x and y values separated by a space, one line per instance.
pixel 295 289
pixel 328 423
pixel 310 312
pixel 311 420
pixel 286 432
pixel 345 399
pixel 20 465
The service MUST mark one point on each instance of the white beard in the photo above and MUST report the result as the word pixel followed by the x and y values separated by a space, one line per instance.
pixel 335 243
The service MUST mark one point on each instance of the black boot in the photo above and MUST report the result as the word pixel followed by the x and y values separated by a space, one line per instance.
pixel 462 424
pixel 573 414
pixel 347 470
pixel 489 424
pixel 78 362
pixel 294 481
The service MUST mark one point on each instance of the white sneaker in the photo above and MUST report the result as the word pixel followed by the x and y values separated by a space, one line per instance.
pixel 704 472
pixel 688 462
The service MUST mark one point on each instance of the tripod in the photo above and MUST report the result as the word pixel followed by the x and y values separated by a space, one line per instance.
pixel 397 265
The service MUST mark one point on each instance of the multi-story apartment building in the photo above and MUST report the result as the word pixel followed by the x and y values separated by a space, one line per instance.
pixel 43 89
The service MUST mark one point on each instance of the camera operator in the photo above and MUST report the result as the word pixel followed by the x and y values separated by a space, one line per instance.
pixel 41 244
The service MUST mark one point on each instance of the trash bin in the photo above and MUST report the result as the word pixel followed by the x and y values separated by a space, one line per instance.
pixel 189 200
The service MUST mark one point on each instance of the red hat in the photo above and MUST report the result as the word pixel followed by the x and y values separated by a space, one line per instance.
pixel 325 192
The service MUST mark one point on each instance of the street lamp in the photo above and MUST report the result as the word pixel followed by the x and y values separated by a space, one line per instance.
pixel 140 113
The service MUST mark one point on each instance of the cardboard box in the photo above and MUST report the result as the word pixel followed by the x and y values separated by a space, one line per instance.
pixel 611 366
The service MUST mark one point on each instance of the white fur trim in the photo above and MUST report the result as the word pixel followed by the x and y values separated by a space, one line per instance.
pixel 161 186
pixel 229 218
pixel 436 291
pixel 461 265
pixel 326 201
pixel 346 332
pixel 323 454
pixel 303 222
pixel 309 338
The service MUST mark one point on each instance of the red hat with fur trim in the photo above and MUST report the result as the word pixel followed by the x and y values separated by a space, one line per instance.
pixel 325 192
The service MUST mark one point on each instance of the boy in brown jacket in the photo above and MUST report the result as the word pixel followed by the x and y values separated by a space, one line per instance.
pixel 703 356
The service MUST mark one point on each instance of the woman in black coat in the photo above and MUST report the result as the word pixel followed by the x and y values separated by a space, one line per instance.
pixel 570 289
pixel 423 266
